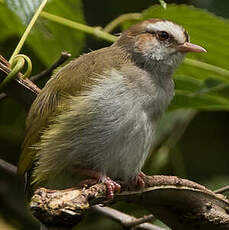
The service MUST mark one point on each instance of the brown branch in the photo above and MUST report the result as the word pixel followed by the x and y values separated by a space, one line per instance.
pixel 222 190
pixel 22 90
pixel 5 68
pixel 125 220
pixel 7 167
pixel 180 203
pixel 138 221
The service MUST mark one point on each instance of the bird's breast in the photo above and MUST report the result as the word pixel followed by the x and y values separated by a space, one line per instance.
pixel 108 128
pixel 125 121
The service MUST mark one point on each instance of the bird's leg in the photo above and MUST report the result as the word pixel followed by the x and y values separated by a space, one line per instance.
pixel 97 177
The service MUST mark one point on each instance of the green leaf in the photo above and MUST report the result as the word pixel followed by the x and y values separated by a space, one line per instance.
pixel 199 94
pixel 9 28
pixel 187 83
pixel 23 8
pixel 49 39
pixel 185 99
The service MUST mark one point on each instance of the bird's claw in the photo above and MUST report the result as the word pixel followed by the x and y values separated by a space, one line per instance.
pixel 112 187
pixel 140 180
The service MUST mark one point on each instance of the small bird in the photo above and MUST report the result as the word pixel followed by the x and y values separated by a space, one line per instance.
pixel 95 119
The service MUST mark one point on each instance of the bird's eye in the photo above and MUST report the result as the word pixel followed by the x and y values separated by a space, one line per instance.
pixel 162 35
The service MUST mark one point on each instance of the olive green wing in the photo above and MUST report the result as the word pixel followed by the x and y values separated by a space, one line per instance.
pixel 46 106
pixel 69 80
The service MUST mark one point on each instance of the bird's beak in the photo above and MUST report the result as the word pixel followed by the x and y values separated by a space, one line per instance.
pixel 189 47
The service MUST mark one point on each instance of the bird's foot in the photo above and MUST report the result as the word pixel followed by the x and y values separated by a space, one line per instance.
pixel 111 185
pixel 140 180
pixel 97 177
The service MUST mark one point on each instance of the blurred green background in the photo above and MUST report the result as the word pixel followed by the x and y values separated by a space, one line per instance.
pixel 200 155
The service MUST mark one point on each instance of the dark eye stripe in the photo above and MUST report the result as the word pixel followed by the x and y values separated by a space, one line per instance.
pixel 186 36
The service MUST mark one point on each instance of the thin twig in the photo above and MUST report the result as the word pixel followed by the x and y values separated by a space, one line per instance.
pixel 64 56
pixel 163 4
pixel 139 221
pixel 7 167
pixel 27 30
pixel 125 220
pixel 222 190
pixel 222 74
pixel 96 31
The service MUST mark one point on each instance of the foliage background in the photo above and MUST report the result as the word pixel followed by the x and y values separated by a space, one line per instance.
pixel 200 155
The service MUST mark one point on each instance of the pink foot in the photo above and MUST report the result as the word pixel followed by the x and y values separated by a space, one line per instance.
pixel 140 180
pixel 111 185
pixel 97 177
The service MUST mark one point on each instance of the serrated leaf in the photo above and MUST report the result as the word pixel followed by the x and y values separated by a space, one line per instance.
pixel 25 9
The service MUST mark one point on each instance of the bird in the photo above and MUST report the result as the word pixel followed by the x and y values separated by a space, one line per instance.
pixel 95 119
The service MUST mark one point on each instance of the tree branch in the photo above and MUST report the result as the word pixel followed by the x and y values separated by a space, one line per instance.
pixel 120 217
pixel 125 220
pixel 222 190
pixel 185 199
pixel 7 167
pixel 180 203
pixel 5 69
pixel 22 90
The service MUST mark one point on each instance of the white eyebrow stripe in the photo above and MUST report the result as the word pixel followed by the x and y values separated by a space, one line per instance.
pixel 170 27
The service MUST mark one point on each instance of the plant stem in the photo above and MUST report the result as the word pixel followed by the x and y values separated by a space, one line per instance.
pixel 96 31
pixel 27 31
pixel 224 73
pixel 163 4
pixel 124 17
pixel 16 69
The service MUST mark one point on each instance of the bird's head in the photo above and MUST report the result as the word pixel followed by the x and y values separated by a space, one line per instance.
pixel 157 40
